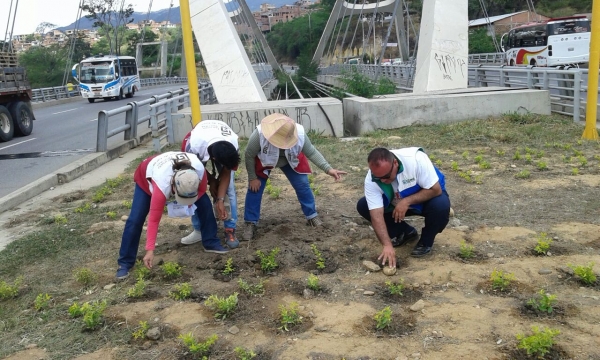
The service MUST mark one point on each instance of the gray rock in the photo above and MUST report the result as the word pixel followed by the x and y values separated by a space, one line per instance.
pixel 321 329
pixel 153 334
pixel 233 330
pixel 544 271
pixel 371 266
pixel 369 293
pixel 427 282
pixel 109 286
pixel 418 306
pixel 567 270
pixel 307 294
pixel 462 228
pixel 124 218
pixel 146 345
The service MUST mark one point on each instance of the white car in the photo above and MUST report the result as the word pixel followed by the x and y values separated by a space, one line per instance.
pixel 386 63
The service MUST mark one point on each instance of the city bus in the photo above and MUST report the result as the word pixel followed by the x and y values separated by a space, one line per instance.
pixel 556 42
pixel 107 77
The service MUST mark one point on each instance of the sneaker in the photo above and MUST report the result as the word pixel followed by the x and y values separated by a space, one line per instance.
pixel 122 273
pixel 230 239
pixel 249 231
pixel 421 250
pixel 316 221
pixel 216 248
pixel 192 238
pixel 404 238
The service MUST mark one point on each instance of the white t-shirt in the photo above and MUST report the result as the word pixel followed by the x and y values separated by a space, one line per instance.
pixel 160 169
pixel 208 132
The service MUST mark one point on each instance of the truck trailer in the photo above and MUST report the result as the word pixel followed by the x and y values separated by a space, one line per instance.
pixel 16 116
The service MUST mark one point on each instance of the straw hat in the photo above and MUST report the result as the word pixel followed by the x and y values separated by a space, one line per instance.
pixel 280 131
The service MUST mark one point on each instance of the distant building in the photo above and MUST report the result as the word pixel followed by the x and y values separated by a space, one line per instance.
pixel 501 24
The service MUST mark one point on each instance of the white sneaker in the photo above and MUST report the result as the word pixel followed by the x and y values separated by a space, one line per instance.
pixel 192 238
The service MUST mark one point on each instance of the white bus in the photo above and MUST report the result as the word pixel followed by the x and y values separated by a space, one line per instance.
pixel 556 42
pixel 106 77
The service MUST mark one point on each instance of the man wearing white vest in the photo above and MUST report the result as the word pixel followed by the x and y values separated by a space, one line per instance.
pixel 401 183
pixel 278 142
pixel 215 141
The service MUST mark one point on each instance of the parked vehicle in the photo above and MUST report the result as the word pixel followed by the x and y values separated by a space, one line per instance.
pixel 107 77
pixel 16 116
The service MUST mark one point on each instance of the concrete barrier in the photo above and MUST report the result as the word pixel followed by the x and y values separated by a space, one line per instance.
pixel 323 115
pixel 394 111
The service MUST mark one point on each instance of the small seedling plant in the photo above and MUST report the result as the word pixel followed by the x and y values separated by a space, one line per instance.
pixel 539 343
pixel 243 354
pixel 181 292
pixel 312 282
pixel 198 348
pixel 91 312
pixel 42 302
pixel 59 219
pixel 395 288
pixel 267 261
pixel 501 280
pixel 229 268
pixel 288 316
pixel 383 318
pixel 85 277
pixel 252 289
pixel 543 244
pixel 543 303
pixel 320 259
pixel 223 307
pixel 171 270
pixel 466 251
pixel 523 174
pixel 273 191
pixel 141 331
pixel 140 271
pixel 138 290
pixel 8 291
pixel 584 273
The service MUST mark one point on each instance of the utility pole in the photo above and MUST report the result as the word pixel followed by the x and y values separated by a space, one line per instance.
pixel 590 132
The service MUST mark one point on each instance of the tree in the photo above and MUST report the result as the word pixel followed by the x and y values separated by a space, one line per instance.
pixel 106 16
pixel 45 65
pixel 41 28
pixel 480 42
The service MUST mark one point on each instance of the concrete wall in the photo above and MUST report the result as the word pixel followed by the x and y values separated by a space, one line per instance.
pixel 243 118
pixel 394 111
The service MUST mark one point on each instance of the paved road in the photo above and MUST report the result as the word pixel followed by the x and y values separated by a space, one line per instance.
pixel 61 134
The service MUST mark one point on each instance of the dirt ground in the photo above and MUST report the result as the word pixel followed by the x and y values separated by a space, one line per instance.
pixel 455 312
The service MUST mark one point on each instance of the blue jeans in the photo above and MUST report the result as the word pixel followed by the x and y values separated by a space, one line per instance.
pixel 435 211
pixel 232 221
pixel 135 222
pixel 300 184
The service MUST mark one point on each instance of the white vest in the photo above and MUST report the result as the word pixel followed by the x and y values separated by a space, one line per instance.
pixel 269 154
pixel 208 132
pixel 160 169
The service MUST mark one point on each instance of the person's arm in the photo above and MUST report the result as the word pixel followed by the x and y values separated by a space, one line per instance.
pixel 250 154
pixel 314 155
pixel 157 205
pixel 224 178
pixel 388 254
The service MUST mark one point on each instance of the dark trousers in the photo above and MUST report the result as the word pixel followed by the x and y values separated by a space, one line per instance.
pixel 436 212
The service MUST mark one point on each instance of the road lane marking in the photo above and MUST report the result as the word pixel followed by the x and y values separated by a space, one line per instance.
pixel 94 120
pixel 60 112
pixel 24 141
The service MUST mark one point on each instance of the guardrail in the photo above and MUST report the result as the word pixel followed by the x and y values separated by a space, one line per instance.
pixel 162 109
pixel 487 58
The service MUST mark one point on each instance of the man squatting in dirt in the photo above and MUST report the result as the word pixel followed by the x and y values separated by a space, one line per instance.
pixel 278 142
pixel 215 141
pixel 157 179
pixel 402 183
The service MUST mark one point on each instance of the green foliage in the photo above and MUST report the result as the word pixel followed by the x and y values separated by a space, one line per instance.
pixel 478 159
pixel 312 282
pixel 395 288
pixel 574 171
pixel 83 208
pixel 311 180
pixel 288 316
pixel 523 174
pixel 140 271
pixel 542 166
pixel 360 85
pixel 59 219
pixel 273 191
pixel 582 160
pixel 484 164
pixel 10 291
pixel 126 204
pixel 243 354
pixel 138 290
pixel 543 303
pixel 584 273
pixel 501 280
pixel 543 243
pixel 85 277
pixel 181 292
pixel 91 312
pixel 140 333
pixel 383 318
pixel 101 194
pixel 454 166
pixel 466 251
pixel 111 215
pixel 267 261
pixel 538 344
pixel 252 289
pixel 480 42
pixel 195 347
pixel 75 310
pixel 42 301
pixel 517 155
pixel 223 307
pixel 465 155
pixel 320 259
pixel 171 270
pixel 229 269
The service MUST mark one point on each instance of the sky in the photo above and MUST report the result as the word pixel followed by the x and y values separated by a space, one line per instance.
pixel 31 13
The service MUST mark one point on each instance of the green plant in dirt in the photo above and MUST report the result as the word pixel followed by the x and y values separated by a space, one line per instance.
pixel 483 164
pixel 478 159
pixel 543 303
pixel 8 291
pixel 540 154
pixel 383 318
pixel 517 155
pixel 542 166
pixel 538 344
pixel 528 158
pixel 243 354
pixel 574 171
pixel 273 191
pixel 92 313
pixel 395 288
pixel 582 160
pixel 523 174
pixel 438 163
pixel 543 243
pixel 116 182
pixel 138 290
pixel 313 186
pixel 500 152
pixel 141 271
pixel 111 215
pixel 566 159
pixel 85 277
pixel 584 273
pixel 59 219
pixel 465 155
pixel 312 282
pixel 198 348
pixel 454 166
pixel 171 270
pixel 501 280
pixel 252 289
pixel 465 175
pixel 288 316
pixel 466 251
pixel 229 269
pixel 223 307
pixel 101 194
pixel 320 259
pixel 76 310
pixel 83 208
pixel 142 330
pixel 42 302
pixel 126 204
pixel 478 179
pixel 577 153
pixel 181 292
pixel 529 150
pixel 267 261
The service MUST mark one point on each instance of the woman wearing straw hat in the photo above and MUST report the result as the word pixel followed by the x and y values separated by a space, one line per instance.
pixel 158 178
pixel 278 142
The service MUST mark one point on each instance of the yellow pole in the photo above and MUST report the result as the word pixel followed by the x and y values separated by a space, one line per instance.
pixel 590 132
pixel 190 60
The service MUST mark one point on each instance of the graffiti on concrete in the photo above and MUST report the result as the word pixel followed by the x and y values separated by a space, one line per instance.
pixel 233 77
pixel 450 65
pixel 245 121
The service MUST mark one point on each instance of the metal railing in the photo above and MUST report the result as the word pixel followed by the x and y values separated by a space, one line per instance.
pixel 162 109
pixel 488 58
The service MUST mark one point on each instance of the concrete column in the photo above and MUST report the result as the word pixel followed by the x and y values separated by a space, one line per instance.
pixel 442 58
pixel 163 58
pixel 328 30
pixel 401 34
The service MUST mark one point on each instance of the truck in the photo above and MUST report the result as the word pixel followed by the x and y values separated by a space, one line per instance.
pixel 16 115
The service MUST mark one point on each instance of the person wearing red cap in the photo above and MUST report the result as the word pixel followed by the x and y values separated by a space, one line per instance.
pixel 158 178
pixel 278 142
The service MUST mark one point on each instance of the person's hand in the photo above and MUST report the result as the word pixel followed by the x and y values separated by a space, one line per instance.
pixel 388 255
pixel 400 211
pixel 148 258
pixel 254 185
pixel 221 210
pixel 336 174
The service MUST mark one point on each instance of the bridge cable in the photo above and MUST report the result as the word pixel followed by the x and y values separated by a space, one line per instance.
pixel 14 18
pixel 489 25
pixel 331 37
pixel 8 38
pixel 71 51
pixel 371 26
pixel 340 28
pixel 387 35
pixel 347 26
pixel 359 18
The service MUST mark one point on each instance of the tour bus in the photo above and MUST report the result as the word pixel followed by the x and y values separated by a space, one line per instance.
pixel 106 77
pixel 556 42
